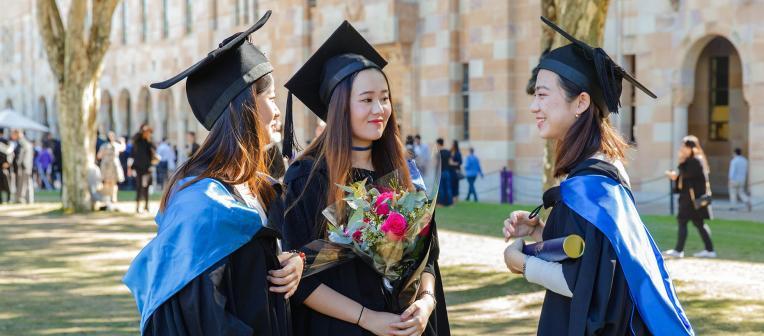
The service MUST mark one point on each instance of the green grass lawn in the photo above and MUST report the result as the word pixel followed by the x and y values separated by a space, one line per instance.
pixel 61 274
pixel 733 239
pixel 470 290
pixel 51 196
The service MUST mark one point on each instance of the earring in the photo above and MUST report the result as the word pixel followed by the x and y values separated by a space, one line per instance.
pixel 578 115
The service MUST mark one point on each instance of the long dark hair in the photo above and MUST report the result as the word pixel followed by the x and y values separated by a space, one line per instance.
pixel 589 134
pixel 234 151
pixel 334 146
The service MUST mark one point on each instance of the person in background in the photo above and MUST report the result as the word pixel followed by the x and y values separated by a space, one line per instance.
pixel 166 161
pixel 456 170
pixel 410 150
pixel 23 164
pixel 6 157
pixel 43 163
pixel 143 154
pixel 57 165
pixel 423 155
pixel 691 182
pixel 126 161
pixel 472 170
pixel 191 145
pixel 444 194
pixel 111 168
pixel 737 174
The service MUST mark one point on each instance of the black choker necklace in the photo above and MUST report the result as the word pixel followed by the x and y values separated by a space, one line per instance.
pixel 361 149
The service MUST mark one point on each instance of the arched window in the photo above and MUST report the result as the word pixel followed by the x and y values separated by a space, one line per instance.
pixel 214 14
pixel 189 17
pixel 144 21
pixel 165 20
pixel 246 11
pixel 124 22
pixel 237 12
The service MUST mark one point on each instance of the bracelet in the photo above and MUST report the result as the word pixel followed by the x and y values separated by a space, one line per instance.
pixel 426 292
pixel 525 263
pixel 358 323
pixel 300 254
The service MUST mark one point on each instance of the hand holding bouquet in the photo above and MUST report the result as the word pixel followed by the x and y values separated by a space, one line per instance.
pixel 387 226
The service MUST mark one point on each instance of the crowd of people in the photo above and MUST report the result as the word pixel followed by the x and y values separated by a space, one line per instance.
pixel 27 165
pixel 134 163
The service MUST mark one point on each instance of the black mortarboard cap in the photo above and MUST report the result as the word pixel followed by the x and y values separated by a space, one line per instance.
pixel 217 79
pixel 344 53
pixel 591 69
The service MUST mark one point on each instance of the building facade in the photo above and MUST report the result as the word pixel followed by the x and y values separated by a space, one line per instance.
pixel 457 68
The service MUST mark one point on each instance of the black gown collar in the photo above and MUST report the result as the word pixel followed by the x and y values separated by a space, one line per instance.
pixel 587 167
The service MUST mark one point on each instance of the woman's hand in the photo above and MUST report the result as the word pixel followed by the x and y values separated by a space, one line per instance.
pixel 514 257
pixel 379 323
pixel 288 277
pixel 518 225
pixel 414 318
pixel 672 175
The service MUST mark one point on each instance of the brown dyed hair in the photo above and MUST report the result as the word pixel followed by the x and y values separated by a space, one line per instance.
pixel 234 151
pixel 334 146
pixel 589 134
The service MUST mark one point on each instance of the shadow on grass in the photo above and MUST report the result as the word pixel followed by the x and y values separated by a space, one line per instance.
pixel 724 316
pixel 467 285
pixel 62 274
pixel 466 289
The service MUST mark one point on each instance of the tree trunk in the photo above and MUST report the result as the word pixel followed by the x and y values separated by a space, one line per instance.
pixel 76 62
pixel 584 19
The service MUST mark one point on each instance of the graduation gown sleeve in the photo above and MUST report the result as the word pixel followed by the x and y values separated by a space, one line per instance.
pixel 601 304
pixel 229 298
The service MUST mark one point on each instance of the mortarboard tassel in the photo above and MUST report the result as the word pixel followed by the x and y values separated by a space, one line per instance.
pixel 289 140
pixel 609 76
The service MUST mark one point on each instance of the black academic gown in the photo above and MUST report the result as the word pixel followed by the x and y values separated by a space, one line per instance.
pixel 231 297
pixel 691 177
pixel 601 303
pixel 354 279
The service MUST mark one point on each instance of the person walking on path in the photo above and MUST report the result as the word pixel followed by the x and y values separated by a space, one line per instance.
pixel 691 182
pixel 143 155
pixel 472 170
pixel 737 174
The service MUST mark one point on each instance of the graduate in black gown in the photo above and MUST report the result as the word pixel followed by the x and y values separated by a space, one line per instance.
pixel 619 286
pixel 215 266
pixel 343 84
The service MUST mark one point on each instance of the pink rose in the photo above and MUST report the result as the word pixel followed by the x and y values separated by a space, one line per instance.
pixel 382 204
pixel 394 226
pixel 357 236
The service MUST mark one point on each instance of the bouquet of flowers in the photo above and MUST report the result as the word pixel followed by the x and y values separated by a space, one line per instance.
pixel 385 225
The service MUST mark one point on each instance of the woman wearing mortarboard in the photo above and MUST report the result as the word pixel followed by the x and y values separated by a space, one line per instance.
pixel 214 267
pixel 619 286
pixel 344 85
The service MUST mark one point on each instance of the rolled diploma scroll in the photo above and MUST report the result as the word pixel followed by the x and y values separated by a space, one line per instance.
pixel 559 249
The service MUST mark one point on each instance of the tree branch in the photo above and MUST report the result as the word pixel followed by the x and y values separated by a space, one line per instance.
pixel 100 32
pixel 53 34
pixel 75 57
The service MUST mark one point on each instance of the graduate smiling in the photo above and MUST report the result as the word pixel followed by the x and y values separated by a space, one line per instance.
pixel 620 285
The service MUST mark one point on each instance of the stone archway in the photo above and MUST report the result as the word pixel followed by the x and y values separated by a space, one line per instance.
pixel 106 121
pixel 166 118
pixel 717 112
pixel 143 109
pixel 42 110
pixel 125 118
